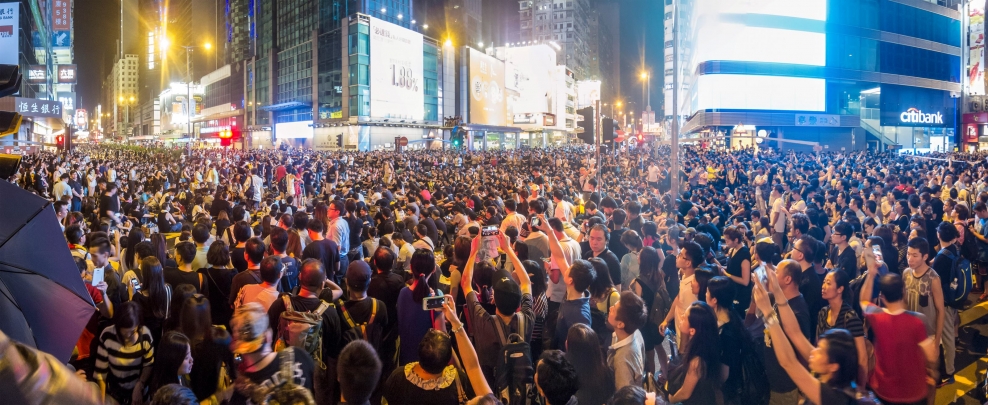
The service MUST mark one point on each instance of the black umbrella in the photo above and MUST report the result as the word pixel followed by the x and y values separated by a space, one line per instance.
pixel 43 301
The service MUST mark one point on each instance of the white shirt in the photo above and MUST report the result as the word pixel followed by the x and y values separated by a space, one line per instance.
pixel 513 219
pixel 779 207
pixel 564 211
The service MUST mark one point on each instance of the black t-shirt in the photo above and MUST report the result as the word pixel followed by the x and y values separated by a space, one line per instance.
pixel 268 376
pixel 360 312
pixel 812 289
pixel 330 319
pixel 325 251
pixel 779 380
pixel 845 260
pixel 386 287
pixel 831 396
pixel 238 260
pixel 943 265
pixel 613 263
pixel 176 277
pixel 108 203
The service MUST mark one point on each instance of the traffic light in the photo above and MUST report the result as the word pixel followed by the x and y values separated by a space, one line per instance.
pixel 641 138
pixel 339 141
pixel 606 130
pixel 456 138
pixel 225 137
pixel 585 122
pixel 60 142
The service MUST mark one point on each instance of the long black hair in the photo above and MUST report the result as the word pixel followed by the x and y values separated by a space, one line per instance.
pixel 705 342
pixel 153 279
pixel 423 264
pixel 168 357
pixel 841 351
pixel 133 238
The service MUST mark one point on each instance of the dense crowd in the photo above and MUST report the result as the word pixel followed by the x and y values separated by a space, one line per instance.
pixel 537 276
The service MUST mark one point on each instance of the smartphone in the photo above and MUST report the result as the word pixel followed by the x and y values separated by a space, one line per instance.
pixel 878 252
pixel 490 230
pixel 535 222
pixel 97 276
pixel 136 284
pixel 434 303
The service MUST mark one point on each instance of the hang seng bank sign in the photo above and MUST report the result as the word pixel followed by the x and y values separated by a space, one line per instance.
pixel 915 116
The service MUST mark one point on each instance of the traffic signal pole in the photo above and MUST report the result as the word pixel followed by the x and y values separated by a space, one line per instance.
pixel 674 136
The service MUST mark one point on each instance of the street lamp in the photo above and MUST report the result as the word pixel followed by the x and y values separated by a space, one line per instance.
pixel 188 83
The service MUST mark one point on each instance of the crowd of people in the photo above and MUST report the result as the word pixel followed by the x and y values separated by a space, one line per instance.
pixel 553 276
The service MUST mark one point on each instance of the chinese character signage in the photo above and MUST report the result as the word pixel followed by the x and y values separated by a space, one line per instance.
pixel 817 120
pixel 32 107
pixel 66 74
pixel 81 119
pixel 61 15
pixel 9 26
pixel 37 74
pixel 67 98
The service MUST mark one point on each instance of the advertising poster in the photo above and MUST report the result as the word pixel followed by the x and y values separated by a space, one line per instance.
pixel 530 78
pixel 61 15
pixel 9 26
pixel 487 103
pixel 976 49
pixel 396 88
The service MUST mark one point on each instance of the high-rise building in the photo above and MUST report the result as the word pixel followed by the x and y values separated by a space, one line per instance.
pixel 562 22
pixel 129 42
pixel 837 74
pixel 460 20
pixel 120 97
pixel 500 22
pixel 605 49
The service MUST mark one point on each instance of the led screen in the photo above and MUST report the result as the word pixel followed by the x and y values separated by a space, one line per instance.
pixel 487 103
pixel 297 129
pixel 743 92
pixel 777 31
pixel 396 60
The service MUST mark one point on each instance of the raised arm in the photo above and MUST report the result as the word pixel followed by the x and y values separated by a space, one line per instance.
pixel 468 356
pixel 554 247
pixel 523 280
pixel 788 318
pixel 466 280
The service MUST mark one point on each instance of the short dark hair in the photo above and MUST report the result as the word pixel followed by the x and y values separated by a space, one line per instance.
pixel 217 255
pixel 312 275
pixel 631 312
pixel 278 238
pixel 556 377
pixel 383 259
pixel 200 234
pixel 435 351
pixel 254 249
pixel 947 232
pixel 241 231
pixel 359 370
pixel 556 224
pixel 74 234
pixel 315 225
pixel 583 274
pixel 619 216
pixel 920 244
pixel 801 222
pixel 186 251
pixel 891 286
pixel 58 205
pixel 270 269
pixel 300 220
pixel 694 252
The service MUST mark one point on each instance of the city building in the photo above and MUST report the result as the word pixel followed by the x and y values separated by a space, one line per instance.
pixel 541 94
pixel 974 131
pixel 39 41
pixel 222 105
pixel 564 22
pixel 120 92
pixel 605 49
pixel 817 74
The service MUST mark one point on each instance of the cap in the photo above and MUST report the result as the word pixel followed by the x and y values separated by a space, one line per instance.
pixel 505 288
pixel 249 324
pixel 358 273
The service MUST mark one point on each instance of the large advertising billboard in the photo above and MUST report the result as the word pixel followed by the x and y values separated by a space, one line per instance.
pixel 903 106
pixel 530 79
pixel 976 48
pixel 487 102
pixel 396 59
pixel 9 27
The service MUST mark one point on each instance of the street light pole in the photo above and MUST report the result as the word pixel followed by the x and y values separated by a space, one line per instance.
pixel 674 140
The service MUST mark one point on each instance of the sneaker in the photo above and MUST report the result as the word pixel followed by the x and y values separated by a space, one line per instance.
pixel 945 382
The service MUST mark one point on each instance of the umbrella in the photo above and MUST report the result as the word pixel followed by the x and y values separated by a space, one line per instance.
pixel 43 301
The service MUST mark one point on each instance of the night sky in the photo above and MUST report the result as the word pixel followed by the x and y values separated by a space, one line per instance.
pixel 97 30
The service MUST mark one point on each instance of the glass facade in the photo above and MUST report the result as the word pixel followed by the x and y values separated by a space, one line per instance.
pixel 430 80
pixel 358 48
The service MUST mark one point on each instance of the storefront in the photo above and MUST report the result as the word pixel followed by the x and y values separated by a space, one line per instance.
pixel 975 132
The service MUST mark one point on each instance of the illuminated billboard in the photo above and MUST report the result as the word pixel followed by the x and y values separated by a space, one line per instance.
pixel 905 106
pixel 486 82
pixel 396 60
pixel 747 92
pixel 9 27
pixel 976 48
pixel 530 73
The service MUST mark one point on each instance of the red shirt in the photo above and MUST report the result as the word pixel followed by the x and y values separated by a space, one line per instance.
pixel 900 365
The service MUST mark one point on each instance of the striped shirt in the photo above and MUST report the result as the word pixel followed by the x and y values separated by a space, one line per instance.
pixel 123 363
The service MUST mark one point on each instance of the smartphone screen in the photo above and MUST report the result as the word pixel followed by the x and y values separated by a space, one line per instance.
pixel 433 303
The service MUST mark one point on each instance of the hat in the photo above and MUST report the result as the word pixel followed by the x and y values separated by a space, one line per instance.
pixel 505 288
pixel 358 274
pixel 249 324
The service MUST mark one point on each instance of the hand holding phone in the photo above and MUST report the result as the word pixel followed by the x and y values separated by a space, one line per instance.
pixel 97 276
pixel 433 303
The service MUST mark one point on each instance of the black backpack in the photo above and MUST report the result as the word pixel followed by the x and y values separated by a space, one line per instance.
pixel 969 249
pixel 514 372
pixel 362 330
pixel 754 381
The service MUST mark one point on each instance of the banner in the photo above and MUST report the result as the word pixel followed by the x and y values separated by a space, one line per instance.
pixel 976 48
pixel 9 27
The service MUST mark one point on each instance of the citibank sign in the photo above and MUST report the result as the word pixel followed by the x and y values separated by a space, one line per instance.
pixel 915 116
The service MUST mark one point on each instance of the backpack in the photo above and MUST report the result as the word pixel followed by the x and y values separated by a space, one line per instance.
pixel 959 280
pixel 969 248
pixel 363 330
pixel 249 192
pixel 302 330
pixel 285 391
pixel 754 387
pixel 514 372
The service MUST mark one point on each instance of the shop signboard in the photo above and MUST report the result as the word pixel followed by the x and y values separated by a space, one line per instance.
pixel 903 106
pixel 9 27
pixel 817 120
pixel 66 74
pixel 37 74
pixel 61 15
pixel 32 107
